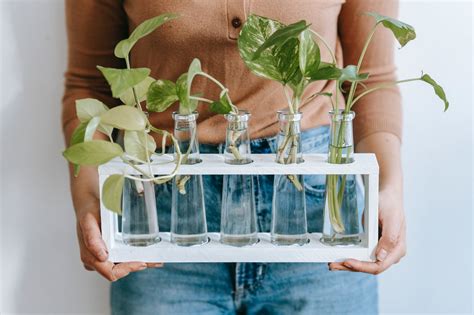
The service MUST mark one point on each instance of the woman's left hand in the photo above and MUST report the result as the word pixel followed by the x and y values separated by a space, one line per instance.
pixel 392 244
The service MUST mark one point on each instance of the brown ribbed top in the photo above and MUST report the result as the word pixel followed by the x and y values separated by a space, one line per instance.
pixel 208 30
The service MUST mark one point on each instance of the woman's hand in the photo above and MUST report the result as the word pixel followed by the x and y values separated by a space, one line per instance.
pixel 392 244
pixel 94 253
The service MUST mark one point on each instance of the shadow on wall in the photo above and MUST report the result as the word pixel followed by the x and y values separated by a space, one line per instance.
pixel 42 272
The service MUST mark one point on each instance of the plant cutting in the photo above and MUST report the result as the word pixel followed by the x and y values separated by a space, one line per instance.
pixel 130 85
pixel 290 55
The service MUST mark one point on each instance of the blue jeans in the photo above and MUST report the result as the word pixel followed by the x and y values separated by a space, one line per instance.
pixel 248 288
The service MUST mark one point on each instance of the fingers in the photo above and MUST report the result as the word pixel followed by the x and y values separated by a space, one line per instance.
pixel 92 237
pixel 392 229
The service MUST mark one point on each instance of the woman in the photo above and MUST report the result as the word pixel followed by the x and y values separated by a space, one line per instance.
pixel 209 30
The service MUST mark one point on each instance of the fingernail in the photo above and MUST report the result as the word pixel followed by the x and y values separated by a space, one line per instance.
pixel 142 267
pixel 156 265
pixel 382 255
pixel 103 254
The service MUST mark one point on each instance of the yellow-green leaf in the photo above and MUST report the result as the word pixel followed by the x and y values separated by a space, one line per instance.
pixel 135 144
pixel 120 80
pixel 95 152
pixel 124 117
pixel 112 191
pixel 161 95
pixel 141 89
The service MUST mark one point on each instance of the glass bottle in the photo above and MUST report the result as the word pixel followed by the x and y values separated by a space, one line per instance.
pixel 341 214
pixel 139 216
pixel 188 214
pixel 238 214
pixel 289 225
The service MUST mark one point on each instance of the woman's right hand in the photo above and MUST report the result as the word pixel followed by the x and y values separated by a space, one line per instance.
pixel 94 255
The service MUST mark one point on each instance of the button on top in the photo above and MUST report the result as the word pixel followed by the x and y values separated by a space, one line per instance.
pixel 236 22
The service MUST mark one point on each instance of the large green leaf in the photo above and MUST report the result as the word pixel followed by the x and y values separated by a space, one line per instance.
pixel 437 88
pixel 121 80
pixel 402 31
pixel 286 57
pixel 222 106
pixel 141 89
pixel 112 191
pixel 186 105
pixel 194 69
pixel 255 32
pixel 135 144
pixel 281 36
pixel 125 117
pixel 326 71
pixel 124 47
pixel 95 152
pixel 161 95
pixel 309 54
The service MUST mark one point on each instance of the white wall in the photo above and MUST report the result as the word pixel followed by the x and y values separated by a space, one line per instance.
pixel 40 267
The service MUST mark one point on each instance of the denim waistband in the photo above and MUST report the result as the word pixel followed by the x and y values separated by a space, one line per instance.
pixel 310 138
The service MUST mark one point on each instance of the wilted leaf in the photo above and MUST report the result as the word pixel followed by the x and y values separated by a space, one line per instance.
pixel 437 88
pixel 112 191
pixel 134 142
pixel 281 36
pixel 95 152
pixel 402 31
pixel 309 54
pixel 161 95
pixel 124 47
pixel 124 117
pixel 141 89
pixel 120 80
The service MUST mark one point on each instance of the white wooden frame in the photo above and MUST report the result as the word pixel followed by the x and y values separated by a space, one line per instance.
pixel 264 164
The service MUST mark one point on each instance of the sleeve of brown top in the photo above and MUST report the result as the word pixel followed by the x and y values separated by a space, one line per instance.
pixel 379 111
pixel 93 29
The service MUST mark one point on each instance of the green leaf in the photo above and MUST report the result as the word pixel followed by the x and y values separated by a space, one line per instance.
pixel 134 142
pixel 91 128
pixel 124 47
pixel 161 95
pixel 95 152
pixel 141 89
pixel 402 31
pixel 281 36
pixel 350 74
pixel 194 68
pixel 280 63
pixel 437 88
pixel 309 54
pixel 125 117
pixel 326 71
pixel 120 80
pixel 112 193
pixel 222 106
pixel 186 105
pixel 255 32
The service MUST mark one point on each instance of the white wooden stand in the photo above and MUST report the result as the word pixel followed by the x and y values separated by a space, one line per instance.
pixel 264 164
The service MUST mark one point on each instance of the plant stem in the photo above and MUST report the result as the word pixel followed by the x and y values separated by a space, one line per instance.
pixel 325 44
pixel 382 86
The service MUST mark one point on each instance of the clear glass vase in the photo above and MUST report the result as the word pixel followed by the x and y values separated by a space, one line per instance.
pixel 289 223
pixel 188 214
pixel 139 215
pixel 341 214
pixel 238 214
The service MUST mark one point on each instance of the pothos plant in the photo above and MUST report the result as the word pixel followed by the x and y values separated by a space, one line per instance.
pixel 289 54
pixel 164 93
pixel 130 85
